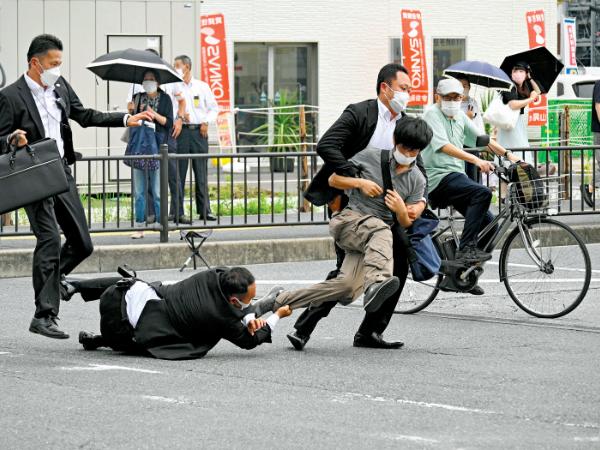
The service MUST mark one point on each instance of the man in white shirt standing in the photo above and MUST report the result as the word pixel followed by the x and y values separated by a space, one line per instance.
pixel 200 109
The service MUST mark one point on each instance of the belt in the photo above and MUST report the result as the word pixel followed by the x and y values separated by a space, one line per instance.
pixel 191 126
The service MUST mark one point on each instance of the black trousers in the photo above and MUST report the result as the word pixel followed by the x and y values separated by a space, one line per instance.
pixel 93 289
pixel 50 260
pixel 373 322
pixel 469 198
pixel 175 188
pixel 190 141
pixel 115 330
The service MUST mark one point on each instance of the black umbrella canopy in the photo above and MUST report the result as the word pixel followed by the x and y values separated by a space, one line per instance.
pixel 130 66
pixel 545 67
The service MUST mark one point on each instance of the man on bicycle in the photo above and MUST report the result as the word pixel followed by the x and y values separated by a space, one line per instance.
pixel 444 161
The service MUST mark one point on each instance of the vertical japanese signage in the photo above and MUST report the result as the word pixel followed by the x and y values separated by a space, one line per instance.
pixel 569 47
pixel 413 55
pixel 215 71
pixel 536 29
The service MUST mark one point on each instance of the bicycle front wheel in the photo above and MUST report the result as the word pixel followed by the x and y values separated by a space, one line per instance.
pixel 547 269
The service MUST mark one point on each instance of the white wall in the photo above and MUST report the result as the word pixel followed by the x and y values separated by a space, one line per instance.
pixel 352 35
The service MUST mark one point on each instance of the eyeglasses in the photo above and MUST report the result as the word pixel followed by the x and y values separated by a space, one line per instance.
pixel 452 98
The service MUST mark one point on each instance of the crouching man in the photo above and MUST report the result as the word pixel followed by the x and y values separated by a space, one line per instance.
pixel 183 320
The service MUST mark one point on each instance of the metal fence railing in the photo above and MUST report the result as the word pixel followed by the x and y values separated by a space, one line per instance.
pixel 261 189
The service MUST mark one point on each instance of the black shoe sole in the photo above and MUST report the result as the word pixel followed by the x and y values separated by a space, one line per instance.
pixel 49 335
pixel 82 336
pixel 385 291
pixel 297 342
pixel 379 346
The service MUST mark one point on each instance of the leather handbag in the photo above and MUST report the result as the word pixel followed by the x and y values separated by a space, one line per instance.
pixel 30 174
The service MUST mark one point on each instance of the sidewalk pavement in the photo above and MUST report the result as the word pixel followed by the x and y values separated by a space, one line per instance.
pixel 233 246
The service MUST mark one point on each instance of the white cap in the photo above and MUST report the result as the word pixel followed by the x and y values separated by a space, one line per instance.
pixel 449 86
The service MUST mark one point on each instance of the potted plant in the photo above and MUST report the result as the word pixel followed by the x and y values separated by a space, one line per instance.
pixel 286 132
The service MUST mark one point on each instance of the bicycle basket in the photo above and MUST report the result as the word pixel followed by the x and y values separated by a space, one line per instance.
pixel 542 194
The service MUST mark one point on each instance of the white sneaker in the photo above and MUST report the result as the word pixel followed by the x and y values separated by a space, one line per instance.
pixel 137 235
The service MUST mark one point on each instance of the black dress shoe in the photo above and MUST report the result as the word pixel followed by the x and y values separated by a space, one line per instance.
pixel 46 326
pixel 374 340
pixel 298 340
pixel 208 217
pixel 477 290
pixel 90 341
pixel 378 293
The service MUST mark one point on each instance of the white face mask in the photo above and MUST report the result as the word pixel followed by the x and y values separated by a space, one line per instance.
pixel 402 159
pixel 399 101
pixel 179 72
pixel 241 304
pixel 451 108
pixel 50 76
pixel 150 86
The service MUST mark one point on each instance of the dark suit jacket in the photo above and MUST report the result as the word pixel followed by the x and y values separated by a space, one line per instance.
pixel 18 111
pixel 192 318
pixel 350 134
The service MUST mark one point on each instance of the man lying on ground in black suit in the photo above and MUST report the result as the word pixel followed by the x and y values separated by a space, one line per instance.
pixel 183 320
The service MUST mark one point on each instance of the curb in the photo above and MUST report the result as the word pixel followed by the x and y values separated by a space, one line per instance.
pixel 106 258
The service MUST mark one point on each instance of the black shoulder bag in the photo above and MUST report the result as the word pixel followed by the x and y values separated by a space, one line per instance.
pixel 423 258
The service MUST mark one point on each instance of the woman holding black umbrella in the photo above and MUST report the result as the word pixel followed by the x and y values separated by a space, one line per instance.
pixel 159 104
pixel 524 92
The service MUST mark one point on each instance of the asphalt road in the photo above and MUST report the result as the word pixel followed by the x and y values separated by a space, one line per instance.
pixel 476 372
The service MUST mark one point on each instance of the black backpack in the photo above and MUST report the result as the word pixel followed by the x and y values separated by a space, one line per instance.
pixel 529 190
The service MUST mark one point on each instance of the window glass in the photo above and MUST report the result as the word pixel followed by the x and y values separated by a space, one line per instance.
pixel 396 50
pixel 445 53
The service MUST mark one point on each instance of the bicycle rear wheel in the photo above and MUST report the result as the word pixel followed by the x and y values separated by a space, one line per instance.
pixel 552 280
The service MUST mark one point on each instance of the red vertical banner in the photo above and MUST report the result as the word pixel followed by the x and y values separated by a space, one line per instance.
pixel 536 30
pixel 413 55
pixel 215 71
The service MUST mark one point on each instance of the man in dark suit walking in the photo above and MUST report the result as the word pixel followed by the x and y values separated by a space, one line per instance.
pixel 371 122
pixel 38 105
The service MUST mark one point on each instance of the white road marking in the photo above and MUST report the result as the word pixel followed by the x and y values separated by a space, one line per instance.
pixel 159 398
pixel 587 439
pixel 102 367
pixel 532 266
pixel 354 395
pixel 5 353
pixel 402 437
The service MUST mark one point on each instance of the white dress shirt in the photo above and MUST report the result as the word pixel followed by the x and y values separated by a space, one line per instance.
pixel 200 102
pixel 50 112
pixel 136 298
pixel 383 137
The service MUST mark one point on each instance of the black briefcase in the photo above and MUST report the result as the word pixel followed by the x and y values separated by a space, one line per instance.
pixel 30 174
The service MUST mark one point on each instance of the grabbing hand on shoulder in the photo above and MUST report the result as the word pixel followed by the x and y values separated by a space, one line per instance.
pixel 370 188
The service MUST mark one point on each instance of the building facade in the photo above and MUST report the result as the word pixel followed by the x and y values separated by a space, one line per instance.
pixel 326 53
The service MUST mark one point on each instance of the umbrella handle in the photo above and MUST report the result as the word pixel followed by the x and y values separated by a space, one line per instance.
pixel 535 86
